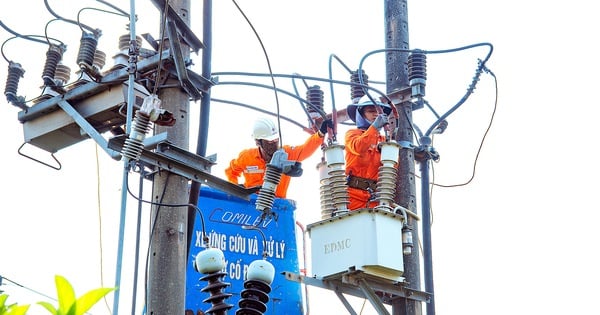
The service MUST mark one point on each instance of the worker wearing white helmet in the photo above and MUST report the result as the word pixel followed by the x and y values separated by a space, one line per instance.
pixel 362 152
pixel 252 163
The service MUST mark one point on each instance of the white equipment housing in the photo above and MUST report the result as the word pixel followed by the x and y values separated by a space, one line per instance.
pixel 367 240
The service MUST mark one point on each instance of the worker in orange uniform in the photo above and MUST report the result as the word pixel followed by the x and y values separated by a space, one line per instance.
pixel 362 153
pixel 251 163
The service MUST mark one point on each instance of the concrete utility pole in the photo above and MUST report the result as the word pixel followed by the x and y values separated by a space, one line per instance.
pixel 168 247
pixel 396 32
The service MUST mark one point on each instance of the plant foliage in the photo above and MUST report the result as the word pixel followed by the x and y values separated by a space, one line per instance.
pixel 11 309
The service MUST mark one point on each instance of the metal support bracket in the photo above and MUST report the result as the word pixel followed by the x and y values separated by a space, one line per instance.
pixel 372 297
pixel 345 302
pixel 403 95
pixel 180 66
pixel 359 284
pixel 88 129
pixel 188 36
pixel 183 163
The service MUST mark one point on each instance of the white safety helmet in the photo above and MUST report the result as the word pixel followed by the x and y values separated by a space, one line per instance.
pixel 265 129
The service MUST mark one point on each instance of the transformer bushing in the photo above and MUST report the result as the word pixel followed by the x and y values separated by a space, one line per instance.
pixel 334 154
pixel 327 207
pixel 386 182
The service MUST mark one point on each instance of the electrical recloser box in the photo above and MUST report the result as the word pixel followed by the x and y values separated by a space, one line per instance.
pixel 367 240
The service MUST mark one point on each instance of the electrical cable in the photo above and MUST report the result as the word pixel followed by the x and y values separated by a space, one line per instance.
pixel 469 91
pixel 270 70
pixel 158 208
pixel 28 37
pixel 352 85
pixel 460 102
pixel 283 75
pixel 122 12
pixel 99 208
pixel 264 111
pixel 331 90
pixel 27 288
pixel 80 25
pixel 482 139
pixel 99 10
pixel 279 75
pixel 48 37
pixel 302 100
pixel 426 103
pixel 137 240
pixel 152 228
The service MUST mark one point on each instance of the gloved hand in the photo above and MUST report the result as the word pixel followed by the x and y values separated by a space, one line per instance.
pixel 327 123
pixel 380 121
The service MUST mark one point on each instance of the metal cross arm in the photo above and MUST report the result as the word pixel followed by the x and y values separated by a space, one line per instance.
pixel 183 163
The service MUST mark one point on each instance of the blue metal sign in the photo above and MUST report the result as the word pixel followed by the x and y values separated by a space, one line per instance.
pixel 223 216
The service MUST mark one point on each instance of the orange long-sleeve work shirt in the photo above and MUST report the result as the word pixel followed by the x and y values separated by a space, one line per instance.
pixel 362 160
pixel 252 166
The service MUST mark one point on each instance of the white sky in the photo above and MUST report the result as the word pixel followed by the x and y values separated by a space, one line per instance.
pixel 518 239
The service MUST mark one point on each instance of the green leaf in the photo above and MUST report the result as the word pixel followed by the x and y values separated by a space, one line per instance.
pixel 3 307
pixel 11 309
pixel 49 307
pixel 18 309
pixel 67 302
pixel 65 293
pixel 86 301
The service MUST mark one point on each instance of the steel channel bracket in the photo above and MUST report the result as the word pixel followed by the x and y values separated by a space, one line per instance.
pixel 183 163
pixel 188 36
pixel 180 66
pixel 372 297
pixel 361 285
pixel 344 301
pixel 397 289
pixel 403 95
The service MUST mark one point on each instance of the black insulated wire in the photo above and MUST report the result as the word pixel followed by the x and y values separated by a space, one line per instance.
pixel 81 25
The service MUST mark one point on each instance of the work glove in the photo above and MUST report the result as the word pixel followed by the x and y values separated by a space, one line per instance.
pixel 327 123
pixel 380 121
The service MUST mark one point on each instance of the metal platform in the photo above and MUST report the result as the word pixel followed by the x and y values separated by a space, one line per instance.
pixel 378 291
